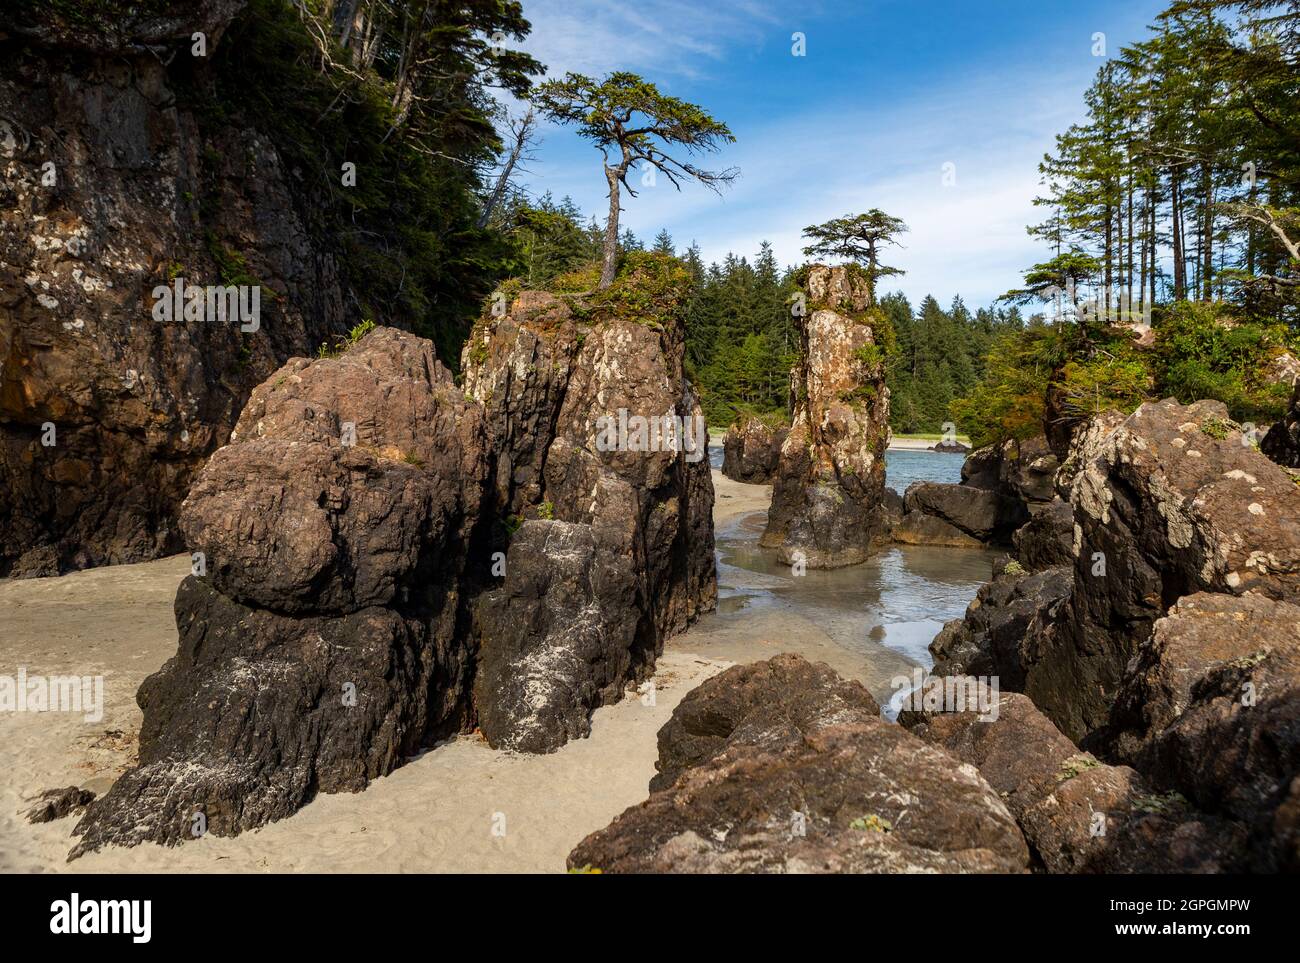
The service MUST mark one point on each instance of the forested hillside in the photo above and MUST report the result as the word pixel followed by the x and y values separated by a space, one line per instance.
pixel 1172 218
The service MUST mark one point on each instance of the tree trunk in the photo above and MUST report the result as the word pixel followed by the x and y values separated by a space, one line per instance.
pixel 609 264
pixel 1180 266
pixel 1207 241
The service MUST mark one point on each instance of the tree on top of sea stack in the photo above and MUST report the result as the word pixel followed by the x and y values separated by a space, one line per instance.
pixel 858 239
pixel 631 121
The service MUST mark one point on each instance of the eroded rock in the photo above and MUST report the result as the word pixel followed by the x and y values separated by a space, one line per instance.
pixel 794 787
pixel 751 450
pixel 828 489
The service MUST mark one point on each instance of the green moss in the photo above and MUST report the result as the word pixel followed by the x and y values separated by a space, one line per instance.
pixel 1218 428
pixel 1081 762
pixel 1160 805
pixel 871 823
pixel 546 510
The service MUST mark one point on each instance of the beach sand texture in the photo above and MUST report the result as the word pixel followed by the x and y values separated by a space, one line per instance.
pixel 438 813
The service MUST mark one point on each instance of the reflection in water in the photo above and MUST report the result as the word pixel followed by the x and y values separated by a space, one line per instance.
pixel 899 598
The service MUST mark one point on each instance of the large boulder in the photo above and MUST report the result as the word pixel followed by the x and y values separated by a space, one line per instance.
pixel 1173 503
pixel 795 771
pixel 918 528
pixel 764 702
pixel 751 450
pixel 1167 502
pixel 1078 814
pixel 985 515
pixel 828 490
pixel 107 412
pixel 1210 708
pixel 321 636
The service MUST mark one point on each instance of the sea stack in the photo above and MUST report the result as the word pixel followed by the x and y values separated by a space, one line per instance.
pixel 827 500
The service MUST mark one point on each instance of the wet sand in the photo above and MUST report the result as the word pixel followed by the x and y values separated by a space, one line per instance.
pixel 438 812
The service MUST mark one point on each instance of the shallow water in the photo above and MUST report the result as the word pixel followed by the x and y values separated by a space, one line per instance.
pixel 901 467
pixel 899 599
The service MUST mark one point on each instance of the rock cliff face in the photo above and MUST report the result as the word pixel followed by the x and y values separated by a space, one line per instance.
pixel 110 187
pixel 360 587
pixel 830 479
pixel 782 766
pixel 751 450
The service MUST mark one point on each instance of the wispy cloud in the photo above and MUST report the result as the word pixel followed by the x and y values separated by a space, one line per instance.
pixel 824 137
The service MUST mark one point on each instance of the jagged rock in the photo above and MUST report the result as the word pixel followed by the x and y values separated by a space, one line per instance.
pixel 999 631
pixel 826 499
pixel 1019 469
pixel 1167 503
pixel 1211 708
pixel 1084 446
pixel 783 785
pixel 762 703
pixel 988 516
pixel 751 450
pixel 54 804
pixel 644 563
pixel 1047 539
pixel 1282 443
pixel 1173 503
pixel 327 639
pixel 136 405
pixel 518 367
pixel 1078 814
pixel 918 528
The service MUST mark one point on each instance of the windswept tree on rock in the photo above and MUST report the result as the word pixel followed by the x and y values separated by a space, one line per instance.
pixel 858 238
pixel 631 122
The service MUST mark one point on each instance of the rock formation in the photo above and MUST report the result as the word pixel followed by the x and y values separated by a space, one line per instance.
pixel 1169 641
pixel 323 637
pixel 782 766
pixel 383 558
pixel 619 503
pixel 751 450
pixel 829 484
pixel 1079 815
pixel 112 185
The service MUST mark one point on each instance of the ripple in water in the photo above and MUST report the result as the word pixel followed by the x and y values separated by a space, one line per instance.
pixel 900 598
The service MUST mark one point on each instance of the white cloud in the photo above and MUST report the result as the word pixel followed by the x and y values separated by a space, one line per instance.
pixel 849 151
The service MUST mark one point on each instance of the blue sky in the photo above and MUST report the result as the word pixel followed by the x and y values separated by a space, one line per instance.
pixel 888 93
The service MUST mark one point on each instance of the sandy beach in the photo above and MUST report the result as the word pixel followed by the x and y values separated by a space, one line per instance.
pixel 435 814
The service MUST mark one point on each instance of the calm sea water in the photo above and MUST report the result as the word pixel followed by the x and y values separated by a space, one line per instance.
pixel 901 467
pixel 900 598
